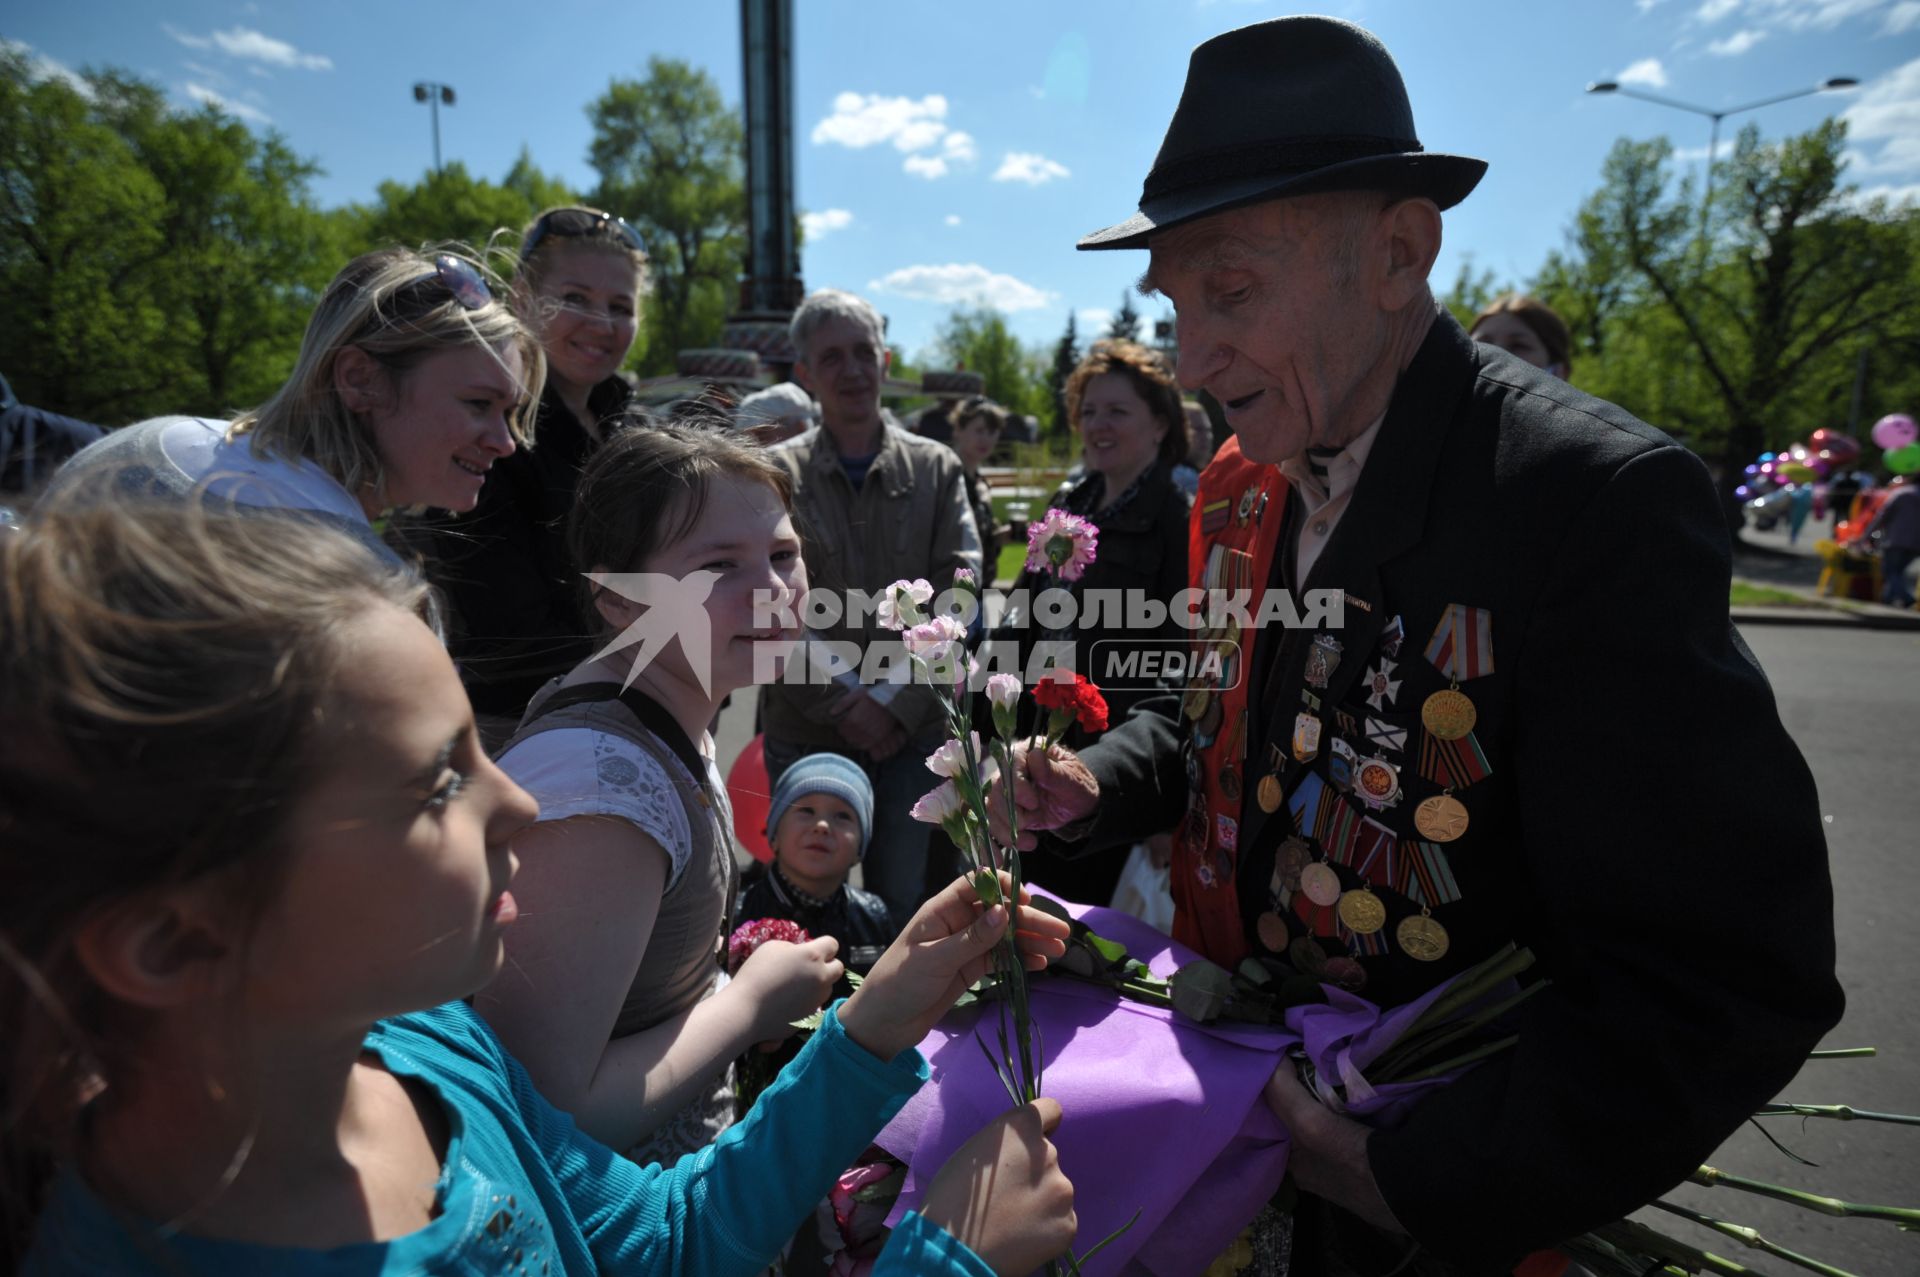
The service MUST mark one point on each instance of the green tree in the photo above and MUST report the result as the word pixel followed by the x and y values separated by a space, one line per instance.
pixel 153 260
pixel 1125 324
pixel 1747 335
pixel 670 155
pixel 979 340
pixel 1470 292
pixel 453 205
pixel 1066 357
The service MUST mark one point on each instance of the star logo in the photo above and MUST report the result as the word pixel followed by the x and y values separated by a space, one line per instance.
pixel 676 608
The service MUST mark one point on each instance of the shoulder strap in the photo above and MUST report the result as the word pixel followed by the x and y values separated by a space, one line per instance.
pixel 652 715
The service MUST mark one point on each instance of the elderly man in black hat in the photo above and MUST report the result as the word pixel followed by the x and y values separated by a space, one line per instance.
pixel 1533 723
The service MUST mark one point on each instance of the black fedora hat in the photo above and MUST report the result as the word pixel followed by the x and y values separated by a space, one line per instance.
pixel 1287 107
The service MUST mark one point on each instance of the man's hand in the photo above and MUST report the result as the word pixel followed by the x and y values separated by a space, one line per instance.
pixel 1329 1157
pixel 1002 1192
pixel 1051 790
pixel 945 948
pixel 866 725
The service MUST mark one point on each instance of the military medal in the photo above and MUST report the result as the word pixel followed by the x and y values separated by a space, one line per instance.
pixel 1323 658
pixel 1441 818
pixel 1229 776
pixel 1340 764
pixel 1195 702
pixel 1345 973
pixel 1383 686
pixel 1272 930
pixel 1289 862
pixel 1306 957
pixel 1422 938
pixel 1362 911
pixel 1377 782
pixel 1390 637
pixel 1384 735
pixel 1245 510
pixel 1448 714
pixel 1268 794
pixel 1306 736
pixel 1320 883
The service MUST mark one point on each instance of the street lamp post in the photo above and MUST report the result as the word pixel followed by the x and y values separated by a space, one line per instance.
pixel 433 95
pixel 1713 141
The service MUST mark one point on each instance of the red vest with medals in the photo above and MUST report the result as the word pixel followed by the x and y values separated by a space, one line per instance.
pixel 1232 534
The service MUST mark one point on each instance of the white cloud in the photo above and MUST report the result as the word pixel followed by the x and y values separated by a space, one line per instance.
pixel 860 120
pixel 1694 154
pixel 1808 15
pixel 959 147
pixel 1647 71
pixel 953 219
pixel 1902 18
pixel 1645 6
pixel 201 93
pixel 252 46
pixel 1736 44
pixel 1714 10
pixel 955 284
pixel 927 166
pixel 825 222
pixel 1905 195
pixel 1028 167
pixel 1884 125
pixel 42 67
pixel 1093 319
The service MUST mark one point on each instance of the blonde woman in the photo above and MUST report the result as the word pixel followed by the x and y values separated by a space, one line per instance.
pixel 412 381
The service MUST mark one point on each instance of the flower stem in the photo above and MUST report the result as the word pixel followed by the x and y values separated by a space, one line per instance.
pixel 1631 1236
pixel 1752 1238
pixel 1838 1112
pixel 1715 1178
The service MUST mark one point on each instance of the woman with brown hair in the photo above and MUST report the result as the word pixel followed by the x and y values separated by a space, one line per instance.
pixel 1528 328
pixel 1125 404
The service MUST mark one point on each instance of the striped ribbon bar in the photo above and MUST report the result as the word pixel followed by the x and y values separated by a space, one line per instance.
pixel 1462 643
pixel 1425 876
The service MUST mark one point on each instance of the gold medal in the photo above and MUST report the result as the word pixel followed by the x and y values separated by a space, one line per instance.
pixel 1268 794
pixel 1293 858
pixel 1321 884
pixel 1441 818
pixel 1362 912
pixel 1273 931
pixel 1448 714
pixel 1422 938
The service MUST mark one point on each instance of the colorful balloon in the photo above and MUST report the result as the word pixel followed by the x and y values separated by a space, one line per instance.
pixel 1904 459
pixel 1895 430
pixel 752 798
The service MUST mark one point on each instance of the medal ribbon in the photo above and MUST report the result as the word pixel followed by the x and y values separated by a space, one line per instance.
pixel 1305 805
pixel 1453 764
pixel 1462 643
pixel 1372 945
pixel 1375 839
pixel 1342 828
pixel 1426 878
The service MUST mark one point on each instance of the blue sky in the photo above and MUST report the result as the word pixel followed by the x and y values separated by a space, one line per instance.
pixel 954 152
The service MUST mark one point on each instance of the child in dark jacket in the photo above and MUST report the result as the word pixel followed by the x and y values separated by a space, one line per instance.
pixel 819 822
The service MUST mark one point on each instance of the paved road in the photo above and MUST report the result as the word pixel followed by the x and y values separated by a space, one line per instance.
pixel 1851 698
pixel 1852 701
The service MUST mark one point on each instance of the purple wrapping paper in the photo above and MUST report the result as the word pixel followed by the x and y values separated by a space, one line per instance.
pixel 1159 1114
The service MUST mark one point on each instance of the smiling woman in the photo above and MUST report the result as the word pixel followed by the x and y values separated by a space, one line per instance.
pixel 504 568
pixel 413 379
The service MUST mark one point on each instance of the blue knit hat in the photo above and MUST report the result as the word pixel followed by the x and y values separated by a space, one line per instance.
pixel 833 774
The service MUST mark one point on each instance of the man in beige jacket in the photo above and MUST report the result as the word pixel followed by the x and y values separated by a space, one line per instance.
pixel 875 504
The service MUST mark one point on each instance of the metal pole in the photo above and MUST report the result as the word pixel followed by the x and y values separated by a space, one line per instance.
pixel 434 103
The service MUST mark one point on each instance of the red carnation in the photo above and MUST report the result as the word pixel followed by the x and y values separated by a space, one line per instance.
pixel 1079 699
pixel 749 936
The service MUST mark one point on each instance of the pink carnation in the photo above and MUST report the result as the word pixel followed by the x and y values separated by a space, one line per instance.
pixel 749 936
pixel 1062 543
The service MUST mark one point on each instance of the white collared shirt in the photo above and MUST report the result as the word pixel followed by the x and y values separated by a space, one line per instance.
pixel 1324 485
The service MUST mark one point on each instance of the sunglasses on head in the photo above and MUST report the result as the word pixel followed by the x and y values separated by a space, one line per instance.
pixel 580 223
pixel 459 277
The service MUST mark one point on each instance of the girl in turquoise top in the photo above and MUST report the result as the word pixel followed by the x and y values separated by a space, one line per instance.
pixel 250 834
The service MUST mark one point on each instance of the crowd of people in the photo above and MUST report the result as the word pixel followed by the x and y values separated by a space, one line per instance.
pixel 368 871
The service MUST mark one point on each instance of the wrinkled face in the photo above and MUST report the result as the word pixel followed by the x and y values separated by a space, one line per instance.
pixel 817 840
pixel 1510 333
pixel 974 440
pixel 1119 434
pixel 746 536
pixel 587 313
pixel 1276 318
pixel 843 367
pixel 446 425
pixel 396 889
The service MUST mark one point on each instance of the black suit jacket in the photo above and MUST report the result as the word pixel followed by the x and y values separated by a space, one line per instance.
pixel 1647 826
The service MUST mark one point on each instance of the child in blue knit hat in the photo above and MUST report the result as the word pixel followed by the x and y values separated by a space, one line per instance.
pixel 818 824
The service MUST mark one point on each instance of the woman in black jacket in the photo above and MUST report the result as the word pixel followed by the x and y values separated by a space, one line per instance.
pixel 1125 404
pixel 516 603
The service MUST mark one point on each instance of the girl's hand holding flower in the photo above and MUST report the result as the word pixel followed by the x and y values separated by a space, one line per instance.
pixel 945 948
pixel 789 982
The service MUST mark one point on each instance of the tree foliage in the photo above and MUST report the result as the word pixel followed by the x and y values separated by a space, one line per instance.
pixel 154 260
pixel 453 205
pixel 1125 324
pixel 980 341
pixel 1743 329
pixel 670 155
pixel 1066 357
